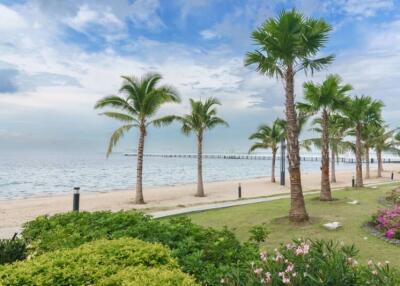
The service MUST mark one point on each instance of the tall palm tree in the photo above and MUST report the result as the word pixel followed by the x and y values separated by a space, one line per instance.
pixel 328 97
pixel 338 130
pixel 269 137
pixel 203 116
pixel 141 99
pixel 362 111
pixel 287 45
pixel 385 141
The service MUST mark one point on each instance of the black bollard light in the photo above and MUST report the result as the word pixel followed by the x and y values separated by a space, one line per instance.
pixel 75 201
pixel 283 147
pixel 392 176
pixel 353 182
pixel 240 191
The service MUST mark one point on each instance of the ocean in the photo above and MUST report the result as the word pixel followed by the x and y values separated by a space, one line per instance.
pixel 23 175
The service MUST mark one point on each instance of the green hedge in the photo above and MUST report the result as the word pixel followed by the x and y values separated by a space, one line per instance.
pixel 206 253
pixel 139 276
pixel 12 250
pixel 92 263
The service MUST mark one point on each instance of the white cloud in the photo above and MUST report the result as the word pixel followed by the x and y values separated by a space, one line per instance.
pixel 208 34
pixel 10 20
pixel 145 13
pixel 364 8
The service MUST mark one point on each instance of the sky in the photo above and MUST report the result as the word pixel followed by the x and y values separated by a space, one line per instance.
pixel 57 58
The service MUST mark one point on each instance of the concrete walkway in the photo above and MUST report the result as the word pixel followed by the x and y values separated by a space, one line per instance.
pixel 8 232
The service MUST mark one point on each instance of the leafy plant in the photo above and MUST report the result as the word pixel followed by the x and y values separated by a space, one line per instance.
pixel 312 263
pixel 388 222
pixel 206 253
pixel 12 250
pixel 92 263
pixel 259 233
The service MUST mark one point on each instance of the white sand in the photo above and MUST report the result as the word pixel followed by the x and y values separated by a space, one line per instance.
pixel 15 212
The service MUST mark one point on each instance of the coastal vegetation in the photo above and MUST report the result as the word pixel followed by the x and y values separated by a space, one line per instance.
pixel 273 215
pixel 326 98
pixel 269 137
pixel 142 98
pixel 132 248
pixel 202 117
pixel 288 45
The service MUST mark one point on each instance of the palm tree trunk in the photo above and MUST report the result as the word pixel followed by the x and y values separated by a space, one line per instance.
pixel 139 170
pixel 359 177
pixel 200 187
pixel 379 159
pixel 325 194
pixel 333 167
pixel 367 175
pixel 298 212
pixel 273 165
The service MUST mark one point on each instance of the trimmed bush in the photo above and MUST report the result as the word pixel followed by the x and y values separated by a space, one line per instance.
pixel 91 263
pixel 135 276
pixel 317 263
pixel 12 250
pixel 206 253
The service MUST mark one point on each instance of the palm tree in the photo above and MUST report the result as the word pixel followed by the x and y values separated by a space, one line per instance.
pixel 338 130
pixel 368 134
pixel 203 116
pixel 328 97
pixel 269 137
pixel 286 46
pixel 142 98
pixel 362 111
pixel 385 140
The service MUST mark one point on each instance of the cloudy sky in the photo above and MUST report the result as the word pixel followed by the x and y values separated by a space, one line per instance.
pixel 58 57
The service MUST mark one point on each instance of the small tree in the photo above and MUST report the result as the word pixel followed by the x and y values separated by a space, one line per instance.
pixel 142 98
pixel 362 111
pixel 203 116
pixel 328 97
pixel 269 138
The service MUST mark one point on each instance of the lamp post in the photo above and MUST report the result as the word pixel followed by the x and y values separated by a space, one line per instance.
pixel 283 151
pixel 75 201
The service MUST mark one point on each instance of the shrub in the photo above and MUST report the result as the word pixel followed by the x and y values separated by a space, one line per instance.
pixel 312 263
pixel 12 250
pixel 90 264
pixel 134 276
pixel 206 253
pixel 393 196
pixel 387 221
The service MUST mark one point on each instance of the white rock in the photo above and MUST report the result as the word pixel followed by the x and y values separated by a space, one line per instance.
pixel 355 202
pixel 332 225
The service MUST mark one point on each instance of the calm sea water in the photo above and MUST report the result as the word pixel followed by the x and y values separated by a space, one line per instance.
pixel 30 175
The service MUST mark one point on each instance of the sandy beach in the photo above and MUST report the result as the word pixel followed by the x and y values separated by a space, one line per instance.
pixel 18 211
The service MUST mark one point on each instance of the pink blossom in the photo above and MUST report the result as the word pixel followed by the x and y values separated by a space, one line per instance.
pixel 390 233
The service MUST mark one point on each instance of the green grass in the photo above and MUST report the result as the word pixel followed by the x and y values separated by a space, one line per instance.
pixel 274 215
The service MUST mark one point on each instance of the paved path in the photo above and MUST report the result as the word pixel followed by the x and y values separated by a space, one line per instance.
pixel 9 231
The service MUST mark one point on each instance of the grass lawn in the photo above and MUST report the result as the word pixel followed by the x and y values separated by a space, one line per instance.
pixel 274 214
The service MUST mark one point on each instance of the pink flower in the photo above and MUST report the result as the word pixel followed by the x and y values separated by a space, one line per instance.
pixel 285 280
pixel 263 256
pixel 390 233
pixel 258 271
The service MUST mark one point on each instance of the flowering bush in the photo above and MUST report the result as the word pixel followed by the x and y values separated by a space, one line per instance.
pixel 317 263
pixel 388 222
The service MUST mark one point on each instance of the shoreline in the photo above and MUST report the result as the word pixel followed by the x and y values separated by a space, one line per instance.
pixel 15 212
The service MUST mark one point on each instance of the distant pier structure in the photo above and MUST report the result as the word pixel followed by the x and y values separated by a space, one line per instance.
pixel 243 156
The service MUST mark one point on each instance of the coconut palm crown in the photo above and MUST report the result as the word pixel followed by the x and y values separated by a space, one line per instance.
pixel 269 138
pixel 328 97
pixel 286 45
pixel 203 116
pixel 136 107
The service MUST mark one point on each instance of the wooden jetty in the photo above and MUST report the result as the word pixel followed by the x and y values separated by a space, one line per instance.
pixel 243 156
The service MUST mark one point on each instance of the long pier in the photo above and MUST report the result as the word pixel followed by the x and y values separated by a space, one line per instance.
pixel 241 156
